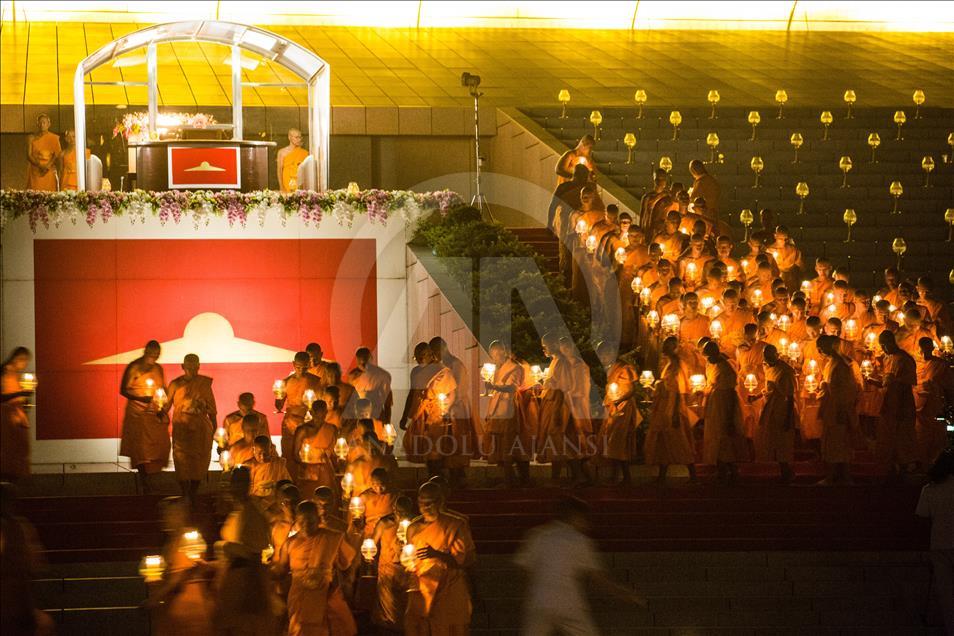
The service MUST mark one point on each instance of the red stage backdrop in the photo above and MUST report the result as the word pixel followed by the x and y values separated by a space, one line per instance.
pixel 244 306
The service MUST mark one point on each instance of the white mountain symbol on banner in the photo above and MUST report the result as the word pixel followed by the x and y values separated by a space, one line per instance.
pixel 204 167
pixel 210 336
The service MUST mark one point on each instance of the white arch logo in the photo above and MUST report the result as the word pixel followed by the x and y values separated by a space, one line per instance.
pixel 210 336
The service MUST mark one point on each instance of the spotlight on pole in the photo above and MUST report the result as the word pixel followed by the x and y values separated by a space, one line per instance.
pixel 472 82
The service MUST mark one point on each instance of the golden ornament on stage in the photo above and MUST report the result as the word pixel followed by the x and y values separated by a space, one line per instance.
pixel 675 118
pixel 757 166
pixel 826 120
pixel 896 190
pixel 918 98
pixel 899 247
pixel 844 164
pixel 629 140
pixel 850 99
pixel 713 98
pixel 564 98
pixel 874 140
pixel 596 118
pixel 781 98
pixel 850 218
pixel 640 98
pixel 665 163
pixel 927 164
pixel 353 189
pixel 796 140
pixel 747 218
pixel 754 120
pixel 712 140
pixel 899 119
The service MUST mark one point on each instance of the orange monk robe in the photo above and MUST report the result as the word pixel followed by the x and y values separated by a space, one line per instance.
pixel 669 438
pixel 908 338
pixel 935 381
pixel 145 435
pixel 557 439
pixel 364 459
pixel 182 599
pixel 775 437
pixel 692 329
pixel 733 328
pixel 617 436
pixel 528 411
pixel 430 432
pixel 316 604
pixel 323 372
pixel 937 313
pixel 668 305
pixel 374 384
pixel 895 436
pixel 837 410
pixel 439 601
pixel 241 452
pixel 578 400
pixel 723 437
pixel 295 410
pixel 635 258
pixel 288 179
pixel 786 256
pixel 233 426
pixel 68 178
pixel 377 506
pixel 811 425
pixel 314 449
pixel 893 296
pixel 244 604
pixel 502 424
pixel 692 268
pixel 463 411
pixel 712 291
pixel 193 417
pixel 264 477
pixel 749 358
pixel 797 331
pixel 392 580
pixel 15 430
pixel 44 149
pixel 818 292
pixel 672 244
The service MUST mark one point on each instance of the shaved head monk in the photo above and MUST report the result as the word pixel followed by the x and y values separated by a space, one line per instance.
pixel 295 405
pixel 145 438
pixel 193 425
pixel 439 598
pixel 288 159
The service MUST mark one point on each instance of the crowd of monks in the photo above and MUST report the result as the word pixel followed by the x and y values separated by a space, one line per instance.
pixel 747 343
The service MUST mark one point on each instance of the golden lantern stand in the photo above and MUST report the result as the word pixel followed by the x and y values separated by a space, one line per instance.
pixel 850 218
pixel 746 217
pixel 629 140
pixel 895 190
pixel 845 165
pixel 596 118
pixel 801 189
pixel 899 247
pixel 927 164
pixel 918 98
pixel 757 166
pixel 675 118
pixel 825 118
pixel 949 218
pixel 874 140
pixel 640 98
pixel 754 120
pixel 796 140
pixel 713 98
pixel 899 119
pixel 850 99
pixel 781 98
pixel 564 98
pixel 712 140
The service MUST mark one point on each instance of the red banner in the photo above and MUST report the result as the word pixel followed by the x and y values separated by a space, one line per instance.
pixel 203 167
pixel 244 306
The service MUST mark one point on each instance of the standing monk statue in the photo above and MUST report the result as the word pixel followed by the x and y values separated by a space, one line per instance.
pixel 193 425
pixel 43 151
pixel 288 160
pixel 145 438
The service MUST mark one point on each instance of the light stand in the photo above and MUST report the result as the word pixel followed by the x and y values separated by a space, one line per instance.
pixel 479 201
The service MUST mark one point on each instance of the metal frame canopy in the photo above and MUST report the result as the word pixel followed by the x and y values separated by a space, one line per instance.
pixel 312 69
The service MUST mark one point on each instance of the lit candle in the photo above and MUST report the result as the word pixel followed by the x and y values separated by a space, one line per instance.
pixel 356 507
pixel 875 299
pixel 707 302
pixel 730 271
pixel 899 318
pixel 757 297
pixel 221 437
pixel 347 484
pixel 793 352
pixel 691 271
pixel 647 379
pixel 784 322
pixel 830 297
pixel 870 340
pixel 193 545
pixel 581 227
pixel 442 402
pixel 851 329
pixel 151 568
pixel 670 324
pixel 652 319
pixel 745 265
pixel 812 366
pixel 620 255
pixel 612 390
pixel 946 345
pixel 866 368
pixel 341 448
pixel 697 382
pixel 636 285
pixel 278 388
pixel 225 460
pixel 715 329
pixel 369 550
pixel 646 295
pixel 28 382
pixel 783 343
pixel 402 530
pixel 831 310
pixel 305 453
pixel 591 244
pixel 536 373
pixel 751 383
pixel 487 371
pixel 390 435
pixel 160 398
pixel 150 387
pixel 806 286
pixel 811 384
pixel 308 397
pixel 409 557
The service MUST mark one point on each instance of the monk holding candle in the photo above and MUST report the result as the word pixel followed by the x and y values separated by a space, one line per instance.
pixel 439 599
pixel 724 441
pixel 581 155
pixel 837 410
pixel 504 446
pixel 267 469
pixel 234 422
pixel 429 427
pixel 895 438
pixel 617 436
pixel 463 431
pixel 373 383
pixel 669 439
pixel 43 151
pixel 298 387
pixel 193 425
pixel 288 159
pixel 145 437
pixel 314 444
pixel 775 435
pixel 392 581
pixel 15 446
pixel 935 388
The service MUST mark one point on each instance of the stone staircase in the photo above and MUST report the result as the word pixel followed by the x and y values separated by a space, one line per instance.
pixel 758 558
pixel 543 242
pixel 820 231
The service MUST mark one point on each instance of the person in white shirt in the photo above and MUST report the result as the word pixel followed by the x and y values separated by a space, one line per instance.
pixel 937 503
pixel 561 562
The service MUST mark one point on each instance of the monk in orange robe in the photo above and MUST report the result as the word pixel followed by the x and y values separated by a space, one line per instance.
pixel 750 357
pixel 837 410
pixel 378 500
pixel 193 425
pixel 462 411
pixel 775 436
pixel 181 601
pixel 233 423
pixel 267 469
pixel 672 240
pixel 669 438
pixel 14 422
pixel 314 445
pixel 316 604
pixel 896 438
pixel 787 257
pixel 693 263
pixel 43 151
pixel 733 320
pixel 373 383
pixel 299 386
pixel 393 579
pixel 145 438
pixel 243 450
pixel 581 155
pixel 723 439
pixel 439 600
pixel 503 445
pixel 557 439
pixel 288 160
pixel 617 435
pixel 578 400
pixel 68 162
pixel 935 388
pixel 319 366
pixel 430 431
